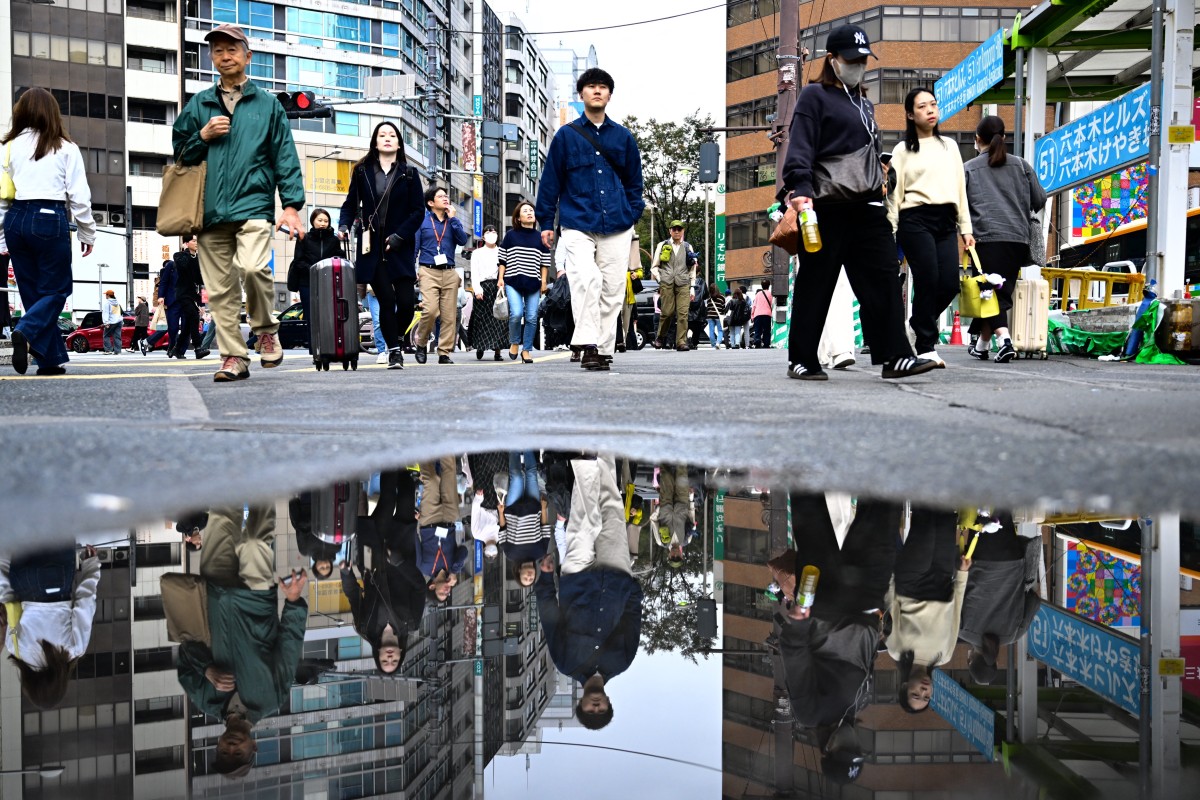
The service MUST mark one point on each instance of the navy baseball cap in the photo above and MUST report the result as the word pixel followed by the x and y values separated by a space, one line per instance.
pixel 850 42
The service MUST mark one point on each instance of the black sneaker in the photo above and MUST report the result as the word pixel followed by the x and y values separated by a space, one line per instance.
pixel 982 355
pixel 444 360
pixel 419 354
pixel 803 373
pixel 51 371
pixel 907 367
pixel 1006 353
pixel 593 361
pixel 20 352
pixel 202 354
pixel 395 359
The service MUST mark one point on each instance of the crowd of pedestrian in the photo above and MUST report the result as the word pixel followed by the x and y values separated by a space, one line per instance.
pixel 578 230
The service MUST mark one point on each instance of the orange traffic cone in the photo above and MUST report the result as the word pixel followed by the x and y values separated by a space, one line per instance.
pixel 956 331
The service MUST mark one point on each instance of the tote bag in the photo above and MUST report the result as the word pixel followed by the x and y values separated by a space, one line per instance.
pixel 181 204
pixel 972 303
pixel 185 604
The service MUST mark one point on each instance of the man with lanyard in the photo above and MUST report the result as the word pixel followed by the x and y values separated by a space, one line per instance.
pixel 673 265
pixel 437 237
pixel 593 622
pixel 440 556
pixel 596 202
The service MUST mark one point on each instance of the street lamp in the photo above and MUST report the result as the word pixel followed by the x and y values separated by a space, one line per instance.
pixel 49 771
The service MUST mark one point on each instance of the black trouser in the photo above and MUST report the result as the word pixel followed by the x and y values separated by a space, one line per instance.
pixel 858 237
pixel 929 237
pixel 189 327
pixel 397 297
pixel 139 334
pixel 854 577
pixel 1005 259
pixel 1003 545
pixel 926 565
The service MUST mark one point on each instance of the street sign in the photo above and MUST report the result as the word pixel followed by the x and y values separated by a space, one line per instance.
pixel 479 666
pixel 469 160
pixel 719 243
pixel 478 553
pixel 533 159
pixel 969 715
pixel 719 525
pixel 478 217
pixel 974 75
pixel 1096 657
pixel 477 106
pixel 1098 143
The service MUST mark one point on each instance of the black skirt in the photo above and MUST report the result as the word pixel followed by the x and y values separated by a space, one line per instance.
pixel 487 332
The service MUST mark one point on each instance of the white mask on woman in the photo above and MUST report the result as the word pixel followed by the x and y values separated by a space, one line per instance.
pixel 490 237
pixel 850 75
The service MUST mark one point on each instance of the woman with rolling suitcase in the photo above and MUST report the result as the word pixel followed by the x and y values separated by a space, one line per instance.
pixel 387 199
pixel 1004 192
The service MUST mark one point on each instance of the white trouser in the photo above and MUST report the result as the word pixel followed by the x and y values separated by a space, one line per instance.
pixel 596 534
pixel 838 334
pixel 596 267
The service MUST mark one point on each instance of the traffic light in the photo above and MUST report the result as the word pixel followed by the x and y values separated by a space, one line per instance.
pixel 303 105
pixel 710 162
pixel 489 147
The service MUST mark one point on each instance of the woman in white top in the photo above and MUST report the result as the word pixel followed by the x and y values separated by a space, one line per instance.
pixel 47 169
pixel 487 332
pixel 929 213
pixel 48 612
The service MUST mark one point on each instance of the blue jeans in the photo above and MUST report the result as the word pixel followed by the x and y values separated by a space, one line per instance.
pixel 372 304
pixel 522 481
pixel 40 245
pixel 715 333
pixel 737 336
pixel 47 576
pixel 522 307
pixel 175 329
pixel 112 338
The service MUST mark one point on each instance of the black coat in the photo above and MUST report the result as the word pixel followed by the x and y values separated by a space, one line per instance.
pixel 316 246
pixel 405 213
pixel 188 280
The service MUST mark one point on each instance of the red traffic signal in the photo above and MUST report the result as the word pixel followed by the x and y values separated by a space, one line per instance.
pixel 303 105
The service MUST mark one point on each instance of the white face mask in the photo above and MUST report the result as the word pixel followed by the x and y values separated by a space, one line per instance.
pixel 490 237
pixel 850 75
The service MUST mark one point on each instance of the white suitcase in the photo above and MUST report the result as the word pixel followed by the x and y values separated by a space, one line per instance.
pixel 1029 320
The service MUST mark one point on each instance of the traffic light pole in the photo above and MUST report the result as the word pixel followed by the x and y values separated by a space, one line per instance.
pixel 790 64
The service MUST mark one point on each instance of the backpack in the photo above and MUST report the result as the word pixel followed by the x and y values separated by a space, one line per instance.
pixel 739 312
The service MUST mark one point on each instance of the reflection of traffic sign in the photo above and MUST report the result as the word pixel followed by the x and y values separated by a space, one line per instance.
pixel 1090 654
pixel 969 715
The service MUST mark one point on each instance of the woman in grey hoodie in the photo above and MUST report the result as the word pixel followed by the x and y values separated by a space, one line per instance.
pixel 1003 193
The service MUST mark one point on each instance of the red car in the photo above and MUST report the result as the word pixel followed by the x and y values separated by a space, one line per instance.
pixel 90 335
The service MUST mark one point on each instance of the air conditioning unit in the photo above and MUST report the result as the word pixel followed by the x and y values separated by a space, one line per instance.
pixel 116 219
pixel 121 555
pixel 101 218
pixel 105 555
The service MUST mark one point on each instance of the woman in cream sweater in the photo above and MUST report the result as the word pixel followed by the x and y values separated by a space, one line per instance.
pixel 929 213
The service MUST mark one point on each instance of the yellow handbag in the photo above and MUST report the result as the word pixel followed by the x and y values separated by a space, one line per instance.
pixel 8 189
pixel 971 302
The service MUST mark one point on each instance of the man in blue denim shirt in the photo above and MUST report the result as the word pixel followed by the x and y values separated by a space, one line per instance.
pixel 593 624
pixel 597 202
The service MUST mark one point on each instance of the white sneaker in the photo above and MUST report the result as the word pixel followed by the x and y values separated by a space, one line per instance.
pixel 934 357
pixel 382 358
pixel 843 360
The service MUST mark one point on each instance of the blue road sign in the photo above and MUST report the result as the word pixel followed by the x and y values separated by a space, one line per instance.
pixel 477 106
pixel 982 69
pixel 1099 143
pixel 969 715
pixel 478 218
pixel 1100 659
pixel 478 556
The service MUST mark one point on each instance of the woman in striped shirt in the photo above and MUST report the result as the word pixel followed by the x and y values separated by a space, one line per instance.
pixel 524 262
pixel 716 309
pixel 524 518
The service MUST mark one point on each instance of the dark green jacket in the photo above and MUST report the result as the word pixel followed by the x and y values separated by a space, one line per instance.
pixel 250 640
pixel 248 164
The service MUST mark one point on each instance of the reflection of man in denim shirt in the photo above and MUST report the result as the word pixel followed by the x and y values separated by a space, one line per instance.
pixel 594 623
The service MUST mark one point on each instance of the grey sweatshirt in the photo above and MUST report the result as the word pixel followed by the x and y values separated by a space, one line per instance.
pixel 1002 199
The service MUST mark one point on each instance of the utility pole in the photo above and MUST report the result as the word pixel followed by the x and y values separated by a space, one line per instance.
pixel 790 66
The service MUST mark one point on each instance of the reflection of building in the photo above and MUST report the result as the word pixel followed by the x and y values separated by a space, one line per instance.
pixel 529 675
pixel 120 730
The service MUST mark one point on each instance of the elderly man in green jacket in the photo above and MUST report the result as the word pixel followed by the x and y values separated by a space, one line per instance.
pixel 243 134
pixel 247 672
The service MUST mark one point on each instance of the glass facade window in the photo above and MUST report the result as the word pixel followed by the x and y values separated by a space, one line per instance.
pixel 262 65
pixel 757 59
pixel 328 77
pixel 741 11
pixel 913 24
pixel 251 15
pixel 750 173
pixel 347 124
pixel 752 113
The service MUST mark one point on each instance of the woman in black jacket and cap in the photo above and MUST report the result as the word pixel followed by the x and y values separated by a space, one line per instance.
pixel 833 166
pixel 386 197
pixel 320 243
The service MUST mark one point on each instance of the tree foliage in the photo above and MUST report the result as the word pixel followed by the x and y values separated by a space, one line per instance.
pixel 670 595
pixel 670 174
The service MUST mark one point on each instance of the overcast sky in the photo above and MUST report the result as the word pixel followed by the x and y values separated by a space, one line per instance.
pixel 662 69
